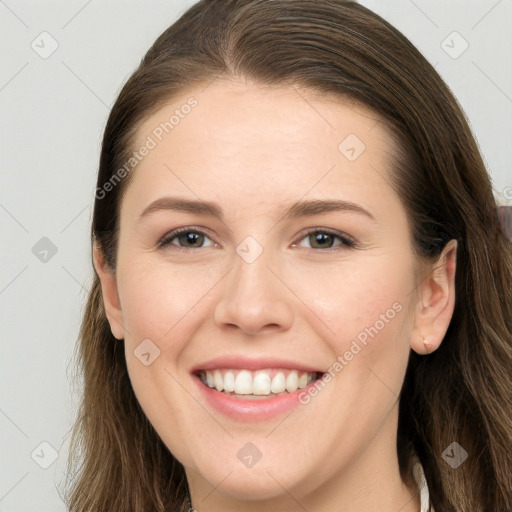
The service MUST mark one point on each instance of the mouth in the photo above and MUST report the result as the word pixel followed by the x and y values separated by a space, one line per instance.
pixel 256 384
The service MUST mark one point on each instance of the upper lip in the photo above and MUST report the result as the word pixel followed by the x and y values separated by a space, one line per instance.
pixel 242 362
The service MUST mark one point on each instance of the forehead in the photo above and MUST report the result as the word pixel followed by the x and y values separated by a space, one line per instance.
pixel 226 106
pixel 228 137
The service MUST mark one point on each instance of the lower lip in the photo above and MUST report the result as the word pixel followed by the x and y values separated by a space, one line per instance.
pixel 249 410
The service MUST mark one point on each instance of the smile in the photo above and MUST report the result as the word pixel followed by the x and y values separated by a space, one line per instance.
pixel 256 384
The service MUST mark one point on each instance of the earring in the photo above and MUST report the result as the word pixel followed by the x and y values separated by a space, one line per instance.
pixel 428 346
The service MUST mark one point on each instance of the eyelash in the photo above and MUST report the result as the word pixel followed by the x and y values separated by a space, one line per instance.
pixel 166 240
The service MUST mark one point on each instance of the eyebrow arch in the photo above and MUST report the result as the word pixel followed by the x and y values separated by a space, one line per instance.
pixel 297 209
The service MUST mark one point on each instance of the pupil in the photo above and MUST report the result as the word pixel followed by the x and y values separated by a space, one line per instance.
pixel 192 237
pixel 321 237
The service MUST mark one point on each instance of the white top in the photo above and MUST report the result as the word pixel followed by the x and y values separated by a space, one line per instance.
pixel 419 477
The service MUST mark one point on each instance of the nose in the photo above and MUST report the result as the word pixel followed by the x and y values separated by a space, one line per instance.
pixel 254 298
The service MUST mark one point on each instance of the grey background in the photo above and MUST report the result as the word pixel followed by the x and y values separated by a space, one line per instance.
pixel 53 111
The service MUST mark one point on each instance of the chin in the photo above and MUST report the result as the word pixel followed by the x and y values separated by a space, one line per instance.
pixel 249 484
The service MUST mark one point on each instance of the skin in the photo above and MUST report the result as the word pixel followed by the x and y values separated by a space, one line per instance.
pixel 254 149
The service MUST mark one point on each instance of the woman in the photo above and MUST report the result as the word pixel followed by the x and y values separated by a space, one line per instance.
pixel 302 293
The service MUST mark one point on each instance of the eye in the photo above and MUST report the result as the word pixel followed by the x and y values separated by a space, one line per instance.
pixel 189 239
pixel 185 236
pixel 324 239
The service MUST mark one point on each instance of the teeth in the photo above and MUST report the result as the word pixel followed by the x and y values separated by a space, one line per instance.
pixel 292 382
pixel 257 383
pixel 243 383
pixel 229 382
pixel 261 384
pixel 278 384
pixel 303 381
pixel 218 381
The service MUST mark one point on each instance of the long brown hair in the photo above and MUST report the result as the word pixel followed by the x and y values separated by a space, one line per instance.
pixel 461 392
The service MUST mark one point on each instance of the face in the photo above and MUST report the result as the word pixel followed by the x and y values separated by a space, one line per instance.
pixel 266 297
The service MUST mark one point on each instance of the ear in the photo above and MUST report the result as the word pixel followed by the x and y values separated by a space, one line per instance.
pixel 436 302
pixel 109 292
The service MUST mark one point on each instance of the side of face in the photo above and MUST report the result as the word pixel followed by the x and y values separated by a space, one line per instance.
pixel 259 283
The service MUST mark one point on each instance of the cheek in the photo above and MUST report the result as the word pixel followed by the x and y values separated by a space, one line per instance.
pixel 156 297
pixel 163 305
pixel 361 310
pixel 160 308
pixel 159 391
pixel 348 298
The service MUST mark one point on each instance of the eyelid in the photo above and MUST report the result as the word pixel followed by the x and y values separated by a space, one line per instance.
pixel 347 241
pixel 166 239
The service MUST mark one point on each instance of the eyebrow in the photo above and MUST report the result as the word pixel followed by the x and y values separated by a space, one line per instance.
pixel 297 209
